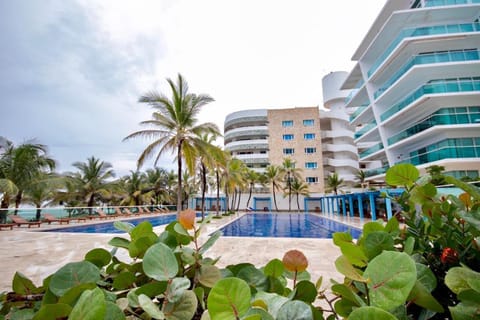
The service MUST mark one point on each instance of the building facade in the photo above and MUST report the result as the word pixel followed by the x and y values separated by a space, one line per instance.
pixel 416 88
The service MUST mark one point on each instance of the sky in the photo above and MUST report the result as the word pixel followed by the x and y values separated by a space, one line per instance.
pixel 72 71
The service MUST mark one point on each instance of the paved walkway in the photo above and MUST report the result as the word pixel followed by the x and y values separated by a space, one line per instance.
pixel 39 254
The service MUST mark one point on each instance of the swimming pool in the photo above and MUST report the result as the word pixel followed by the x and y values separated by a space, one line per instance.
pixel 289 225
pixel 107 227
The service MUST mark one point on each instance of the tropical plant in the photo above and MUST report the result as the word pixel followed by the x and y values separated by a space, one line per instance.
pixel 252 177
pixel 92 182
pixel 290 173
pixel 273 175
pixel 156 179
pixel 361 176
pixel 42 192
pixel 299 188
pixel 135 189
pixel 20 166
pixel 436 172
pixel 233 179
pixel 334 182
pixel 175 127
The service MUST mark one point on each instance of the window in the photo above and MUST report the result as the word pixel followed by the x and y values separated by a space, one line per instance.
pixel 308 122
pixel 288 137
pixel 288 151
pixel 310 165
pixel 310 150
pixel 309 136
pixel 311 179
pixel 287 123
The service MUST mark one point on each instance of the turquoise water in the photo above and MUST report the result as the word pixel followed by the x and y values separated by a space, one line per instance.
pixel 286 225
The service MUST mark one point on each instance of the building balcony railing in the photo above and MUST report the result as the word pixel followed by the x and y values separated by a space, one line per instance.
pixel 357 112
pixel 441 3
pixel 365 129
pixel 421 32
pixel 371 150
pixel 376 172
pixel 440 57
pixel 445 116
pixel 434 87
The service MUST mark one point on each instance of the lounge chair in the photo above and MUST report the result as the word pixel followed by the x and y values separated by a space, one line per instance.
pixel 78 219
pixel 6 225
pixel 143 210
pixel 19 221
pixel 49 218
pixel 130 213
pixel 104 215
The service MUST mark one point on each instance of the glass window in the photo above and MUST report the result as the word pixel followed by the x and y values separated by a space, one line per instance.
pixel 311 179
pixel 308 122
pixel 309 136
pixel 288 137
pixel 287 123
pixel 288 151
pixel 310 150
pixel 310 165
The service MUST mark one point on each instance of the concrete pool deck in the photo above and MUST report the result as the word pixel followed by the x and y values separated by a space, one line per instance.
pixel 39 254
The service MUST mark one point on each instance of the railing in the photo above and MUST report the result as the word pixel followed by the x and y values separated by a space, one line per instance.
pixel 434 87
pixel 376 172
pixel 440 57
pixel 365 129
pixel 445 116
pixel 441 3
pixel 357 112
pixel 423 31
pixel 371 150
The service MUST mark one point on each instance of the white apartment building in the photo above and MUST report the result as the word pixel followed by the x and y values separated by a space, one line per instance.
pixel 416 87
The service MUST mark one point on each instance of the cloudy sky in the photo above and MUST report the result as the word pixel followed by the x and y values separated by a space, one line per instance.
pixel 71 71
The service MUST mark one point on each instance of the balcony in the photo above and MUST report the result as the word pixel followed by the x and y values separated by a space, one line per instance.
pixel 365 129
pixel 371 150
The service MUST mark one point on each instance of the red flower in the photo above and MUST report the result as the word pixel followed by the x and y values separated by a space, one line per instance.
pixel 449 256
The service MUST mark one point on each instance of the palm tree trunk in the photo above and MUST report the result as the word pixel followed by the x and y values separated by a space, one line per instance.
pixel 18 200
pixel 239 198
pixel 289 193
pixel 179 191
pixel 204 187
pixel 298 203
pixel 274 197
pixel 249 195
pixel 218 191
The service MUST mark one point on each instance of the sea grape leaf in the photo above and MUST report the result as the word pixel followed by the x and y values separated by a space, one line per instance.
pixel 140 230
pixel 263 315
pixel 159 262
pixel 99 257
pixel 152 289
pixel 348 270
pixel 348 294
pixel 73 274
pixel 422 297
pixel 184 308
pixel 305 291
pixel 371 313
pixel 139 245
pixel 53 312
pixel 403 174
pixel 392 226
pixel 274 268
pixel 123 226
pixel 469 188
pixel 150 307
pixel 458 278
pixel 465 310
pixel 423 194
pixel 71 296
pixel 210 242
pixel 342 237
pixel 22 285
pixel 90 306
pixel 229 299
pixel 295 310
pixel 113 312
pixel 392 276
pixel 376 242
pixel 272 300
pixel 123 280
pixel 176 288
pixel 426 277
pixel 254 277
pixel 209 275
pixel 354 254
pixel 409 245
pixel 119 242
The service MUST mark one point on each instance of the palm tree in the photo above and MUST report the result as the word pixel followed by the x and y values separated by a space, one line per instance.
pixel 290 173
pixel 273 175
pixel 136 189
pixel 91 182
pixel 175 127
pixel 157 183
pixel 42 192
pixel 299 188
pixel 19 167
pixel 251 177
pixel 361 177
pixel 233 180
pixel 334 182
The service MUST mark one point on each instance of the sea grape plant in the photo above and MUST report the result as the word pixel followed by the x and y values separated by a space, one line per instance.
pixel 426 267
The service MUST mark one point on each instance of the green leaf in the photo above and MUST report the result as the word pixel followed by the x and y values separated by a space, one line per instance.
pixel 90 306
pixel 139 245
pixel 348 270
pixel 183 309
pixel 22 285
pixel 305 291
pixel 423 194
pixel 71 296
pixel 200 294
pixel 21 314
pixel 123 226
pixel 99 257
pixel 176 288
pixel 392 276
pixel 141 230
pixel 347 293
pixel 182 238
pixel 468 188
pixel 152 289
pixel 404 174
pixel 53 312
pixel 119 242
pixel 295 310
pixel 274 268
pixel 210 242
pixel 254 277
pixel 376 242
pixel 113 312
pixel 354 254
pixel 344 307
pixel 123 280
pixel 150 307
pixel 229 299
pixel 160 263
pixel 169 239
pixel 409 245
pixel 371 313
pixel 209 275
pixel 465 311
pixel 264 315
pixel 272 300
pixel 422 297
pixel 393 226
pixel 342 237
pixel 460 278
pixel 73 274
pixel 426 277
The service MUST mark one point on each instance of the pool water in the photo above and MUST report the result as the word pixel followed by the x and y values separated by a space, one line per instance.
pixel 288 225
